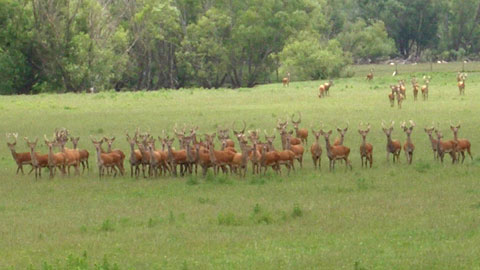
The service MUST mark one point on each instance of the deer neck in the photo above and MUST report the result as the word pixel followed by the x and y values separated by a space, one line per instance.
pixel 328 146
pixel 14 153
pixel 152 157
pixel 284 141
pixel 99 155
pixel 455 136
pixel 270 146
pixel 33 156
pixel 342 136
pixel 409 139
pixel 211 153
pixel 190 156
pixel 364 141
pixel 170 152
pixel 50 155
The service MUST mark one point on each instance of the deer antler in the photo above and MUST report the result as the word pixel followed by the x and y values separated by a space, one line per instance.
pixel 383 124
pixel 412 124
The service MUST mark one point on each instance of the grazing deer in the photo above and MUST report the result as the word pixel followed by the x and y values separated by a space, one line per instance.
pixel 38 161
pixel 366 149
pixel 425 87
pixel 416 87
pixel 20 158
pixel 119 152
pixel 433 142
pixel 54 159
pixel 135 156
pixel 408 147
pixel 445 147
pixel 461 77
pixel 462 144
pixel 84 154
pixel 370 75
pixel 342 132
pixel 391 96
pixel 335 153
pixel 268 159
pixel 316 150
pixel 175 157
pixel 327 87
pixel 301 133
pixel 286 80
pixel 105 160
pixel 393 146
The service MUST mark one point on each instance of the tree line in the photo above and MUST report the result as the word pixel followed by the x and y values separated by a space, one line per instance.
pixel 74 45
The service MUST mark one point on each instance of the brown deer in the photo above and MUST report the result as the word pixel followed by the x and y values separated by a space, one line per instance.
pixel 38 161
pixel 327 87
pixel 416 87
pixel 158 160
pixel 445 147
pixel 301 133
pixel 391 96
pixel 55 160
pixel 20 158
pixel 119 152
pixel 425 87
pixel 239 134
pixel 143 148
pixel 298 149
pixel 203 158
pixel 366 149
pixel 342 132
pixel 220 159
pixel 84 154
pixel 72 155
pixel 370 75
pixel 462 144
pixel 135 159
pixel 335 153
pixel 286 80
pixel 175 157
pixel 400 98
pixel 240 160
pixel 105 160
pixel 408 147
pixel 285 157
pixel 255 157
pixel 434 142
pixel 268 159
pixel 223 135
pixel 461 83
pixel 316 150
pixel 393 146
pixel 402 89
pixel 321 91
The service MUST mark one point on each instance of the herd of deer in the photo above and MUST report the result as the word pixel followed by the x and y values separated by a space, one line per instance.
pixel 193 153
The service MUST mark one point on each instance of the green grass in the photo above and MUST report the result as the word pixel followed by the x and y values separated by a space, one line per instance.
pixel 423 216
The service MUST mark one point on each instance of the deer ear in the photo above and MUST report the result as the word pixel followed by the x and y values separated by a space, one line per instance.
pixel 330 132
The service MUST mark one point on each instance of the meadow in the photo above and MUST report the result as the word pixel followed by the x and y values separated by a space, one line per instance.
pixel 393 216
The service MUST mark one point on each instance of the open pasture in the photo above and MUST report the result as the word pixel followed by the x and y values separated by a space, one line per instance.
pixel 393 216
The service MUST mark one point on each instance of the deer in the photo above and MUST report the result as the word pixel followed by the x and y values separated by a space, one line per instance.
pixel 143 148
pixel 268 159
pixel 239 134
pixel 445 147
pixel 327 87
pixel 425 87
pixel 408 147
pixel 38 161
pixel 72 155
pixel 157 159
pixel 402 89
pixel 321 91
pixel 281 127
pixel 84 154
pixel 240 160
pixel 175 157
pixel 135 159
pixel 416 87
pixel 286 80
pixel 55 160
pixel 335 153
pixel 366 149
pixel 342 132
pixel 316 150
pixel 461 77
pixel 370 75
pixel 298 149
pixel 285 157
pixel 393 146
pixel 255 157
pixel 191 155
pixel 223 134
pixel 105 160
pixel 462 144
pixel 400 98
pixel 203 158
pixel 391 96
pixel 433 141
pixel 220 159
pixel 20 158
pixel 301 133
pixel 109 142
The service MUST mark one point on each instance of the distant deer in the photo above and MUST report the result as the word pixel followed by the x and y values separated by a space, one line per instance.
pixel 327 87
pixel 321 91
pixel 462 144
pixel 175 157
pixel 301 133
pixel 286 80
pixel 425 87
pixel 400 97
pixel 38 161
pixel 370 75
pixel 55 160
pixel 445 147
pixel 335 153
pixel 316 150
pixel 393 146
pixel 402 89
pixel 434 142
pixel 408 147
pixel 461 77
pixel 20 158
pixel 84 154
pixel 391 96
pixel 220 159
pixel 366 149
pixel 416 87
pixel 135 159
pixel 105 160
pixel 109 142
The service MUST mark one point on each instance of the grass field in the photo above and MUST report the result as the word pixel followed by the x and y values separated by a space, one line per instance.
pixel 393 216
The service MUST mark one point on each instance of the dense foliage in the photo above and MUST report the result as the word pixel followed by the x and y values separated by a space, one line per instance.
pixel 75 45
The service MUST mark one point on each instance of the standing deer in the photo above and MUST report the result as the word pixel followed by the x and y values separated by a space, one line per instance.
pixel 38 161
pixel 335 153
pixel 240 160
pixel 220 159
pixel 135 159
pixel 434 142
pixel 416 87
pixel 298 150
pixel 301 133
pixel 316 150
pixel 20 158
pixel 321 91
pixel 175 157
pixel 391 96
pixel 402 89
pixel 268 159
pixel 408 147
pixel 342 132
pixel 285 157
pixel 425 87
pixel 462 144
pixel 105 160
pixel 286 80
pixel 327 87
pixel 393 146
pixel 84 154
pixel 119 152
pixel 55 160
pixel 255 158
pixel 366 149
pixel 400 98
pixel 72 155
pixel 370 75
pixel 461 77
pixel 445 147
